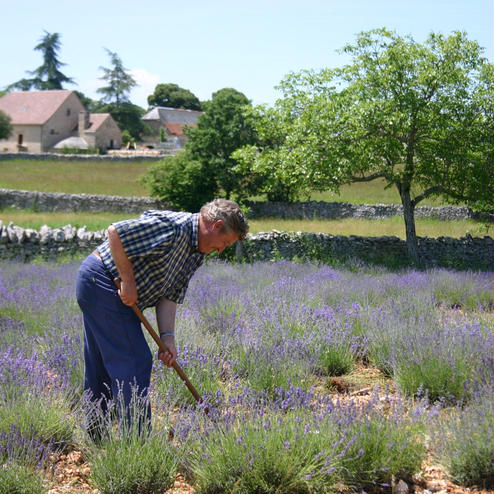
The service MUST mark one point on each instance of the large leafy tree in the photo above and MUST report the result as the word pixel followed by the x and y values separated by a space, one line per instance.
pixel 119 81
pixel 174 96
pixel 221 130
pixel 205 167
pixel 5 126
pixel 47 75
pixel 419 116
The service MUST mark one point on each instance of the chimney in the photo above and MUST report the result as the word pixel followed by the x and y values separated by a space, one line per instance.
pixel 83 122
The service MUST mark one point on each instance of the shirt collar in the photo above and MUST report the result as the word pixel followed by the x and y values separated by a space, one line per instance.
pixel 195 231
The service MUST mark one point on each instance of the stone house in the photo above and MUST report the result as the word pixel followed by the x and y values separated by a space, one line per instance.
pixel 44 121
pixel 172 121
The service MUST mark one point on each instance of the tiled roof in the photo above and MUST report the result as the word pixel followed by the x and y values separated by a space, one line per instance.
pixel 173 115
pixel 32 107
pixel 95 120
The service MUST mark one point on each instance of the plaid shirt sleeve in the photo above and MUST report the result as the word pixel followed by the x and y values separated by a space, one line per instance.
pixel 144 235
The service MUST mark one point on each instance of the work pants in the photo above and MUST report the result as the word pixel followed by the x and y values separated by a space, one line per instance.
pixel 117 358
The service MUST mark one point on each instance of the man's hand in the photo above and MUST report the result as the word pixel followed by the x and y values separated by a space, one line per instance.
pixel 128 292
pixel 169 357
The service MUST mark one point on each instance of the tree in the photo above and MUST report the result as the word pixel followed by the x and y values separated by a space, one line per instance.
pixel 115 98
pixel 48 75
pixel 5 126
pixel 181 181
pixel 173 96
pixel 419 116
pixel 119 81
pixel 126 115
pixel 205 167
pixel 221 130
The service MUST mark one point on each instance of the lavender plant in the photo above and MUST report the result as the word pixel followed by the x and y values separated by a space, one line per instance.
pixel 464 443
pixel 18 479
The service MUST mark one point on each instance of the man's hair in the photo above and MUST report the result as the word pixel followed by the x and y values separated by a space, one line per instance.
pixel 231 214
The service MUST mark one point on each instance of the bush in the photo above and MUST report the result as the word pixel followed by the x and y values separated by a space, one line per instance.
pixel 336 360
pixel 266 455
pixel 15 479
pixel 464 443
pixel 183 183
pixel 143 463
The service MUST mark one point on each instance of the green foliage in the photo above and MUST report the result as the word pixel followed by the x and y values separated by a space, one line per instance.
pixel 173 96
pixel 5 126
pixel 336 360
pixel 418 116
pixel 205 167
pixel 220 131
pixel 126 137
pixel 183 183
pixel 120 82
pixel 126 115
pixel 383 449
pixel 16 479
pixel 464 443
pixel 67 150
pixel 134 464
pixel 40 417
pixel 48 75
pixel 436 377
pixel 274 454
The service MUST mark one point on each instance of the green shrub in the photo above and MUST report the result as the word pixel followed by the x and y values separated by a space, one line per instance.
pixel 16 479
pixel 336 360
pixel 134 463
pixel 382 449
pixel 463 441
pixel 182 182
pixel 266 455
pixel 436 377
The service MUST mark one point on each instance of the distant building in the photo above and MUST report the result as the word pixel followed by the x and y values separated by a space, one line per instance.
pixel 172 121
pixel 49 120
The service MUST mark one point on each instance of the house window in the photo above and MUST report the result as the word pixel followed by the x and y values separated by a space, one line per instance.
pixel 52 131
pixel 111 143
pixel 20 139
pixel 68 112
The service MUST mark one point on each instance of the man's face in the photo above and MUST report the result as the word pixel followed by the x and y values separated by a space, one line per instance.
pixel 212 239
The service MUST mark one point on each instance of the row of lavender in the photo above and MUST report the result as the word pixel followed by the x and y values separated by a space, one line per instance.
pixel 262 342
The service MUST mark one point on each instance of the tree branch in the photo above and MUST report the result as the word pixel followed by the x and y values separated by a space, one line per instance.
pixel 368 178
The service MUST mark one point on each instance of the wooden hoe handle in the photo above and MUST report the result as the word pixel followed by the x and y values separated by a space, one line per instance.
pixel 163 348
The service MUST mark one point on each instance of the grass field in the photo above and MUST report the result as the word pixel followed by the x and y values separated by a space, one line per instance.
pixel 121 179
pixel 372 228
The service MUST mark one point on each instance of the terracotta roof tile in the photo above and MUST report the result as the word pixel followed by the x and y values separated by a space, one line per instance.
pixel 95 120
pixel 32 107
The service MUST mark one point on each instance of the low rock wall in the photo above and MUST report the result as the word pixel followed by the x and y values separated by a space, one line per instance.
pixel 24 245
pixel 113 156
pixel 50 201
pixel 53 201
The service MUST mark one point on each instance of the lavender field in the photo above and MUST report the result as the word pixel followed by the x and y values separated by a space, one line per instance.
pixel 316 379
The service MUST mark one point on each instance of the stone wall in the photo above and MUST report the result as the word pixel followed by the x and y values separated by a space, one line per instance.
pixel 114 155
pixel 336 210
pixel 23 245
pixel 50 201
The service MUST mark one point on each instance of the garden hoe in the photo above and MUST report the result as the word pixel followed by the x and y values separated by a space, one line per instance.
pixel 163 348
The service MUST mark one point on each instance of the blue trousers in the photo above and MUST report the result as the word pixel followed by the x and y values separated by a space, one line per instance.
pixel 117 357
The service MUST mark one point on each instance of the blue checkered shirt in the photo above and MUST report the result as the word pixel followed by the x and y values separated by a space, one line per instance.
pixel 163 249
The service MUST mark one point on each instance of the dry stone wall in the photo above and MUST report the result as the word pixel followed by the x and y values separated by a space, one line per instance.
pixel 24 245
pixel 50 201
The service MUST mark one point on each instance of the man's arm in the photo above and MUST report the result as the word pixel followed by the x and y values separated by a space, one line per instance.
pixel 128 290
pixel 165 315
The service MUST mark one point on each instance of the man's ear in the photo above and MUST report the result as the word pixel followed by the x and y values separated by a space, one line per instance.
pixel 218 225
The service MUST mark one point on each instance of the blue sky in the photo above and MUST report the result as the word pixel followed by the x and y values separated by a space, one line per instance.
pixel 210 44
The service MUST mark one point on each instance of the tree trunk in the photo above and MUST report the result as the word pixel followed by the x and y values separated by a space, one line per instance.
pixel 411 235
